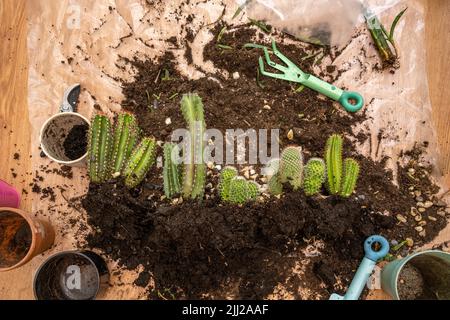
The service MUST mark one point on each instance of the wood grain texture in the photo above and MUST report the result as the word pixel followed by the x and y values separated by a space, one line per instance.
pixel 438 51
pixel 15 137
pixel 14 123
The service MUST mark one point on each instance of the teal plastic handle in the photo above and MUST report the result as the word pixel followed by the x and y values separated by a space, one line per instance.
pixel 347 97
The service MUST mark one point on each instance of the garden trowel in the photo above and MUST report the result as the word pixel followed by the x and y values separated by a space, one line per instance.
pixel 365 268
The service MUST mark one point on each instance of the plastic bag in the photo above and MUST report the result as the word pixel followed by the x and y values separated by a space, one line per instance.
pixel 329 22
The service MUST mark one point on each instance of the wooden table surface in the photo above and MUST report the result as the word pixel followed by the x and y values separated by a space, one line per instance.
pixel 15 127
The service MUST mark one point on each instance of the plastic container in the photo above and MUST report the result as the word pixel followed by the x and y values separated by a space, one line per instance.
pixel 434 268
pixel 53 134
pixel 22 237
pixel 71 275
pixel 9 197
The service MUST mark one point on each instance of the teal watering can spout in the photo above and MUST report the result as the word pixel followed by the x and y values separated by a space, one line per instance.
pixel 365 268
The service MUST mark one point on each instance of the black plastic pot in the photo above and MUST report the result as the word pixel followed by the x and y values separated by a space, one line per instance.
pixel 71 275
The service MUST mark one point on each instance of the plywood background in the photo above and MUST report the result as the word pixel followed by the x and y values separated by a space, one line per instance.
pixel 15 127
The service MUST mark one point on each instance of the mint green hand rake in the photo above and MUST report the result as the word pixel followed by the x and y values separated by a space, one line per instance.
pixel 295 74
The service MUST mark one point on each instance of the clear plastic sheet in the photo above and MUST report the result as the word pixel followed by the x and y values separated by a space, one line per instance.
pixel 81 42
pixel 329 22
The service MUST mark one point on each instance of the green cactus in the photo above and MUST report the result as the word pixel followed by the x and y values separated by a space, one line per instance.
pixel 126 135
pixel 314 176
pixel 139 163
pixel 291 167
pixel 333 158
pixel 351 172
pixel 253 190
pixel 99 149
pixel 272 173
pixel 194 168
pixel 239 190
pixel 227 174
pixel 171 174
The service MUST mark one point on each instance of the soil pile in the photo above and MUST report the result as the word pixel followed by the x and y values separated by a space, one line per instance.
pixel 208 249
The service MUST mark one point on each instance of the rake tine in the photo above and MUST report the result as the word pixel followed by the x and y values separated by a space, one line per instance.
pixel 269 74
pixel 273 64
pixel 282 57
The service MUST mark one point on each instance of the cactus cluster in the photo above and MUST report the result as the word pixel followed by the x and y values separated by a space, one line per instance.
pixel 341 176
pixel 113 152
pixel 341 179
pixel 194 167
pixel 236 189
pixel 171 174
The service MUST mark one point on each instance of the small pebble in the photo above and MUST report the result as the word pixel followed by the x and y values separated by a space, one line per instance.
pixel 420 204
pixel 428 204
pixel 409 242
pixel 422 223
pixel 168 121
pixel 422 210
pixel 401 218
pixel 419 199
pixel 418 217
pixel 394 242
pixel 218 167
pixel 290 135
pixel 411 171
pixel 417 193
pixel 431 218
pixel 267 107
pixel 210 165
pixel 236 75
pixel 419 229
pixel 414 212
pixel 423 234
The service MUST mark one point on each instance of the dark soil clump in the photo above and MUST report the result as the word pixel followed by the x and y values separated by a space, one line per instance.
pixel 75 144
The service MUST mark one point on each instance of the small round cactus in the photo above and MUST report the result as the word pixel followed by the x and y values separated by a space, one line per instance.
pixel 239 190
pixel 227 174
pixel 314 176
pixel 253 190
pixel 291 167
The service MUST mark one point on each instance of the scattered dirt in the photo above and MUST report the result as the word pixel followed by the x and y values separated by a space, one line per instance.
pixel 410 283
pixel 75 144
pixel 212 250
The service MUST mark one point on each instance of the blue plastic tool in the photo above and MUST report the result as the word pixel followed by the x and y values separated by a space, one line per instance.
pixel 365 268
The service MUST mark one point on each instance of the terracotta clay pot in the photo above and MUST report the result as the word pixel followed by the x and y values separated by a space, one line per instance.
pixel 22 237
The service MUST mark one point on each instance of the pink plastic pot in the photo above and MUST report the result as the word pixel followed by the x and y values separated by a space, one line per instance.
pixel 9 197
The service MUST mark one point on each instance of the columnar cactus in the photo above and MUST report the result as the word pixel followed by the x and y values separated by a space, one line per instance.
pixel 333 158
pixel 351 172
pixel 99 149
pixel 239 190
pixel 194 169
pixel 314 176
pixel 227 174
pixel 171 174
pixel 126 135
pixel 291 167
pixel 139 163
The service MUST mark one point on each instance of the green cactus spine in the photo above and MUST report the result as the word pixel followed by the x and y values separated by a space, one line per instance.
pixel 194 168
pixel 139 163
pixel 171 175
pixel 333 158
pixel 239 190
pixel 291 167
pixel 253 190
pixel 314 176
pixel 126 134
pixel 351 172
pixel 227 174
pixel 99 149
